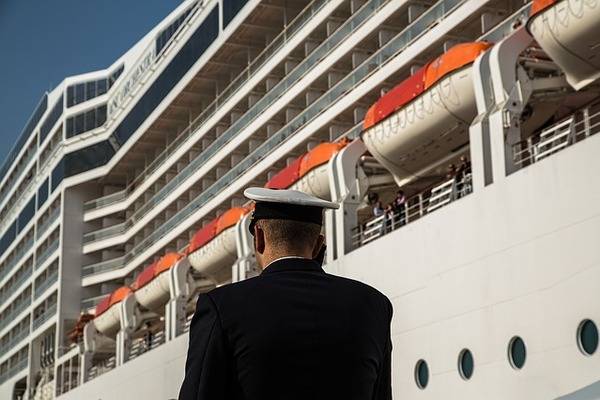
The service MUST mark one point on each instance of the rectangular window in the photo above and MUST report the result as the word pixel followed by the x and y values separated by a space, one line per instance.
pixel 230 9
pixel 51 119
pixel 101 87
pixel 42 194
pixel 70 130
pixel 58 174
pixel 79 123
pixel 26 215
pixel 90 120
pixel 100 115
pixel 80 93
pixel 90 91
pixel 70 96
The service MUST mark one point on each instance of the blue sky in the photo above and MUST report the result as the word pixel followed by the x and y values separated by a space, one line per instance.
pixel 41 42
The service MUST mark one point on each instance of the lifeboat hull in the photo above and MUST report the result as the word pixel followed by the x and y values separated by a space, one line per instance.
pixel 568 33
pixel 215 259
pixel 315 182
pixel 155 293
pixel 108 323
pixel 428 127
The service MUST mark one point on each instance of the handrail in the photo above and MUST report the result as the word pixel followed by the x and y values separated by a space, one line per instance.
pixel 375 62
pixel 566 132
pixel 17 257
pixel 45 316
pixel 183 137
pixel 48 222
pixel 414 208
pixel 309 63
pixel 16 285
pixel 46 253
pixel 50 280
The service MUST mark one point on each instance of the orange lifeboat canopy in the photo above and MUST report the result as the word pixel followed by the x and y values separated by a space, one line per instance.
pixel 320 155
pixel 168 261
pixel 115 297
pixel 216 226
pixel 455 58
pixel 540 5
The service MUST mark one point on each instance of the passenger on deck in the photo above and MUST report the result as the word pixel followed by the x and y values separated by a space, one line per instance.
pixel 399 208
pixel 378 209
pixel 462 174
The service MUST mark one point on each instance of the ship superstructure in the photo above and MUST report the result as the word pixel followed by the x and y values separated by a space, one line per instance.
pixel 122 199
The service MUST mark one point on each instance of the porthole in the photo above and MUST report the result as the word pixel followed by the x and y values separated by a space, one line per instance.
pixel 517 353
pixel 587 337
pixel 465 364
pixel 422 374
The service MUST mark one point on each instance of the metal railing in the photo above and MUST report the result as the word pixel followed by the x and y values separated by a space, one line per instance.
pixel 145 344
pixel 17 257
pixel 45 316
pixel 14 204
pixel 102 367
pixel 144 67
pixel 15 311
pixel 13 370
pixel 415 207
pixel 91 302
pixel 310 62
pixel 182 139
pixel 46 253
pixel 373 64
pixel 49 221
pixel 17 175
pixel 579 126
pixel 18 337
pixel 16 285
pixel 50 280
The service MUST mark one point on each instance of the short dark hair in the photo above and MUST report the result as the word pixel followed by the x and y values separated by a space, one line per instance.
pixel 290 235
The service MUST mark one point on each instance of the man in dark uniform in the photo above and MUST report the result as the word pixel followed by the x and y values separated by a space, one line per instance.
pixel 294 332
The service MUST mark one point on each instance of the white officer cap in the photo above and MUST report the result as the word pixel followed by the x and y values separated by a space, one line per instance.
pixel 286 204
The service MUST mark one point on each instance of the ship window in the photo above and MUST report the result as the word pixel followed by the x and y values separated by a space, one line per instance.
pixel 465 364
pixel 90 90
pixel 101 87
pixel 422 374
pixel 79 93
pixel 517 353
pixel 587 337
pixel 230 9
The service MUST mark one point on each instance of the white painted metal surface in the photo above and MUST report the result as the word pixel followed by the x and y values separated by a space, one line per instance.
pixel 155 293
pixel 215 259
pixel 569 31
pixel 426 128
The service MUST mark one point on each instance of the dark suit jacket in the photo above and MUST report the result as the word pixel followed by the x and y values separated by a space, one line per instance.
pixel 294 332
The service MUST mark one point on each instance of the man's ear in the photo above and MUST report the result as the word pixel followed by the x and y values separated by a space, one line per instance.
pixel 318 246
pixel 259 239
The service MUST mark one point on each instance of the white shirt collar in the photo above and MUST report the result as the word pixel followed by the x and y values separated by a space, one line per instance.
pixel 285 258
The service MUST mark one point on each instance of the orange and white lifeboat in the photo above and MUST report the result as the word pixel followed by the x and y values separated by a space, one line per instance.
pixel 152 284
pixel 212 251
pixel 423 118
pixel 106 319
pixel 308 173
pixel 569 32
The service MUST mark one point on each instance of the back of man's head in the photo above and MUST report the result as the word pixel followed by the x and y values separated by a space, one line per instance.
pixel 287 237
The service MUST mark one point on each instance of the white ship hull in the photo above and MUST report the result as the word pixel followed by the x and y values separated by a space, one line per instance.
pixel 514 259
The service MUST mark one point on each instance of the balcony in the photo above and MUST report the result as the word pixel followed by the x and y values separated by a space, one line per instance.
pixel 45 316
pixel 46 253
pixel 579 126
pixel 415 208
pixel 183 139
pixel 39 290
pixel 16 311
pixel 17 338
pixel 18 257
pixel 370 66
pixel 16 285
pixel 48 222
pixel 13 370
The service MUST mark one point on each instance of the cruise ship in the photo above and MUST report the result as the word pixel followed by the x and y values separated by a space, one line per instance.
pixel 122 200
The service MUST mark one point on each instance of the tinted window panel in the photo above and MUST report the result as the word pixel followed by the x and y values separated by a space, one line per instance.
pixel 51 119
pixel 230 9
pixel 58 174
pixel 42 194
pixel 70 96
pixel 181 63
pixel 101 87
pixel 90 120
pixel 8 237
pixel 90 91
pixel 87 158
pixel 79 93
pixel 79 123
pixel 26 214
pixel 25 134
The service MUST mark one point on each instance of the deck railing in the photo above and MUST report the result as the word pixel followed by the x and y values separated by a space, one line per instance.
pixel 17 257
pixel 45 316
pixel 378 60
pixel 182 139
pixel 577 127
pixel 46 253
pixel 415 207
pixel 49 221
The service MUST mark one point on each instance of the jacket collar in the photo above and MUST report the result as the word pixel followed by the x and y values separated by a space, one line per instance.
pixel 292 264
